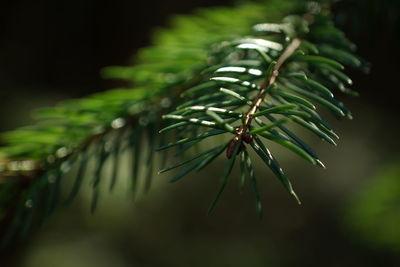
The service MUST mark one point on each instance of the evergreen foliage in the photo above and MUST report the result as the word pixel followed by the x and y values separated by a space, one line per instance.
pixel 209 75
pixel 372 213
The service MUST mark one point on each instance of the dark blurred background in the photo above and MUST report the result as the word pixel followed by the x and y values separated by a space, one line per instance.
pixel 54 50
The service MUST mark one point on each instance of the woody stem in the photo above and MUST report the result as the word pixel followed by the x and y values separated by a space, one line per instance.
pixel 290 49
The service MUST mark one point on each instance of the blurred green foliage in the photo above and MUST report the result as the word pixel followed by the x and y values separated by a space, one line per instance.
pixel 373 213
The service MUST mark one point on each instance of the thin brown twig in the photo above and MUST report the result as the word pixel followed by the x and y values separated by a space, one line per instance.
pixel 242 131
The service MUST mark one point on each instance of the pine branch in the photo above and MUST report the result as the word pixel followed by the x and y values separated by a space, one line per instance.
pixel 234 77
pixel 296 77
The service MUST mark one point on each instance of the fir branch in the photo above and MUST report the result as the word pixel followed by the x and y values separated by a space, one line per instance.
pixel 292 81
pixel 207 72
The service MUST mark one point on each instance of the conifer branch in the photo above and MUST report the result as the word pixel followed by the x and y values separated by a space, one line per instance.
pixel 234 78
